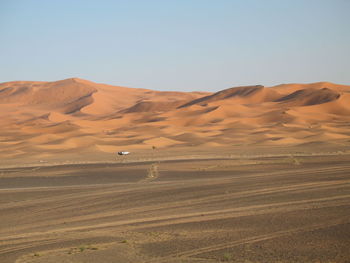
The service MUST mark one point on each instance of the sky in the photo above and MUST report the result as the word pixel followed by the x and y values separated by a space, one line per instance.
pixel 183 45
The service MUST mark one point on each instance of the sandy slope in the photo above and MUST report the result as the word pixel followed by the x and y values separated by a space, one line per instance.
pixel 247 174
pixel 46 119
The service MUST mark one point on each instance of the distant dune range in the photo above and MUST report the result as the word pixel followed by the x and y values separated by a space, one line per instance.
pixel 42 119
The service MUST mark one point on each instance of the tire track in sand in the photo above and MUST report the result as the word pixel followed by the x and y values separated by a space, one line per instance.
pixel 254 239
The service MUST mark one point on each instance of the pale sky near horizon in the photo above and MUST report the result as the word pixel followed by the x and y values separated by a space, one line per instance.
pixel 176 45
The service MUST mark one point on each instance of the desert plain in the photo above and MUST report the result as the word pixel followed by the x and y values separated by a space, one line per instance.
pixel 247 174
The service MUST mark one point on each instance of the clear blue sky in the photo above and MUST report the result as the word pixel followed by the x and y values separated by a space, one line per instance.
pixel 176 45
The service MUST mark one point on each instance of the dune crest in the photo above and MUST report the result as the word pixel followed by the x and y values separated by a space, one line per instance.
pixel 78 116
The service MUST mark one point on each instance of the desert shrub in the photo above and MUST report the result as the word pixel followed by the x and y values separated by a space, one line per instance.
pixel 226 257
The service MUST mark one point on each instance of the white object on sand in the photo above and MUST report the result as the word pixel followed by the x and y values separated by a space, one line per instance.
pixel 123 153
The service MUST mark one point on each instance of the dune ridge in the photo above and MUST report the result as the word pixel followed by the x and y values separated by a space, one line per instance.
pixel 78 116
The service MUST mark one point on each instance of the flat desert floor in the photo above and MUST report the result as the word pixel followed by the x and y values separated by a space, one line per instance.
pixel 267 205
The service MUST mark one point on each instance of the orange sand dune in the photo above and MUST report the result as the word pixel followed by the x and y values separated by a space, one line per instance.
pixel 244 95
pixel 310 96
pixel 43 119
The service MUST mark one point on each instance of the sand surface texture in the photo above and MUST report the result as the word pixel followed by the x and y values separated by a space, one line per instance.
pixel 247 174
pixel 265 206
pixel 74 116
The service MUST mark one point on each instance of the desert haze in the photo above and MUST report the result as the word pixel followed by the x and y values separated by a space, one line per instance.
pixel 246 174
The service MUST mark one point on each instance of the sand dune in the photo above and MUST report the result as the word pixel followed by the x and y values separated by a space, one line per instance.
pixel 80 116
pixel 243 95
pixel 307 97
pixel 245 174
